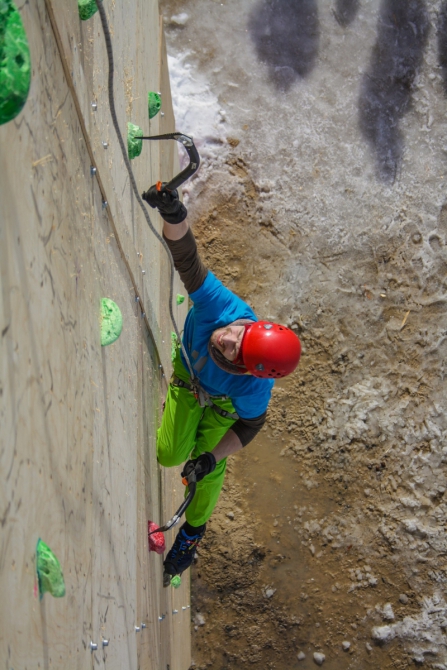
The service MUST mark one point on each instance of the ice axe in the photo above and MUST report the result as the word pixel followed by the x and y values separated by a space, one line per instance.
pixel 194 159
pixel 189 479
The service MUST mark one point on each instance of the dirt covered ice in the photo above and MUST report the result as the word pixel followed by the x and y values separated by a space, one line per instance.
pixel 338 509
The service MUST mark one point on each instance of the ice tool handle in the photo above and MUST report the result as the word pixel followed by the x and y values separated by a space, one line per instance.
pixel 190 481
pixel 194 159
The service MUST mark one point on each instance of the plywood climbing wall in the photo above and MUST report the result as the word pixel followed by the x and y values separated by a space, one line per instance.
pixel 77 443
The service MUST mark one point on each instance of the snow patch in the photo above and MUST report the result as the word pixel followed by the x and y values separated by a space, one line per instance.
pixel 180 19
pixel 425 632
pixel 199 115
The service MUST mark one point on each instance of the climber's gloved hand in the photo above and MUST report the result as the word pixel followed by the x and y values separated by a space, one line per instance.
pixel 202 465
pixel 167 203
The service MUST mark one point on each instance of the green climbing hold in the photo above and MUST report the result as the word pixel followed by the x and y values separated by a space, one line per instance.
pixel 49 571
pixel 154 103
pixel 87 8
pixel 180 298
pixel 15 62
pixel 174 346
pixel 176 581
pixel 111 321
pixel 134 145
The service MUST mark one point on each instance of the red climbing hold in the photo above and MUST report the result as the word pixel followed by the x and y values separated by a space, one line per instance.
pixel 157 540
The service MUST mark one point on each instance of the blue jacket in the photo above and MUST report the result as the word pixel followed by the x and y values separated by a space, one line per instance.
pixel 214 307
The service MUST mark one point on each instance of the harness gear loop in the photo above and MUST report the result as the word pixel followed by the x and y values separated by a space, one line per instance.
pixel 203 397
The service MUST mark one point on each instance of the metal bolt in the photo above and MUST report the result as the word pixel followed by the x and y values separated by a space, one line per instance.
pixel 105 643
pixel 143 315
pixel 143 272
pixel 183 608
pixel 137 629
pixel 94 106
pixel 93 646
pixel 143 625
pixel 105 204
pixel 158 93
pixel 162 113
pixel 174 611
pixel 92 170
pixel 137 298
pixel 105 145
pixel 160 618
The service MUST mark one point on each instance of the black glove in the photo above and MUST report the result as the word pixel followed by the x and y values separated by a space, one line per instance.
pixel 203 465
pixel 167 203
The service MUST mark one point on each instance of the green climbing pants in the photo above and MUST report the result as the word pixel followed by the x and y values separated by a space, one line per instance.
pixel 187 430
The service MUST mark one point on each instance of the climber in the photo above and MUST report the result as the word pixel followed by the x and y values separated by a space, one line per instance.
pixel 235 359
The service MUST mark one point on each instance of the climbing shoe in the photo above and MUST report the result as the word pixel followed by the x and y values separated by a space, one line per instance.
pixel 182 552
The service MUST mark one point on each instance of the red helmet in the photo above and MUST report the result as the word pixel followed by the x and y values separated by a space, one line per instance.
pixel 270 350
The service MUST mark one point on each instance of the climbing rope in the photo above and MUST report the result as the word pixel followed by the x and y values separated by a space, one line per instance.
pixel 108 41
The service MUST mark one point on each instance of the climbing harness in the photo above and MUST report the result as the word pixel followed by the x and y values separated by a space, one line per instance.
pixel 203 397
